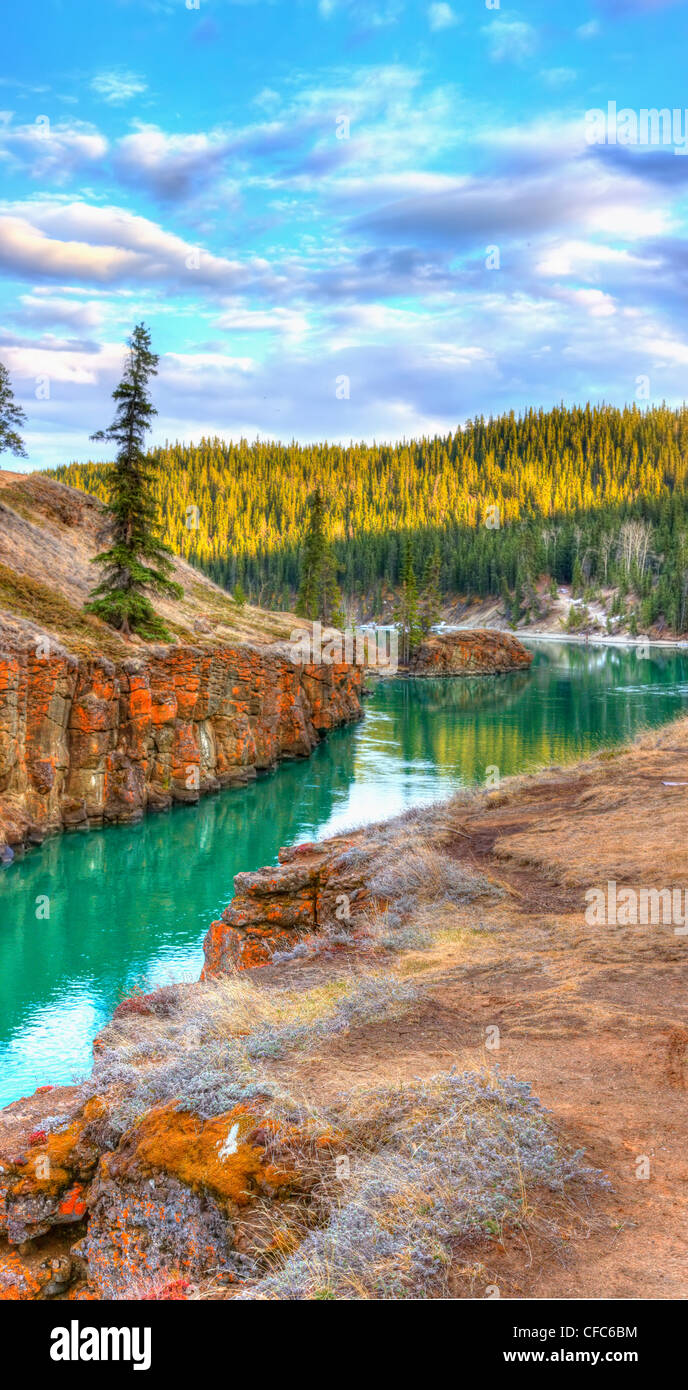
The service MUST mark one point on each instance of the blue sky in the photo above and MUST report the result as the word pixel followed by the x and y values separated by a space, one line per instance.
pixel 300 197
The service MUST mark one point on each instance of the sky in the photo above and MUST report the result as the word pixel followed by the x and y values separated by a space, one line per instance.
pixel 341 219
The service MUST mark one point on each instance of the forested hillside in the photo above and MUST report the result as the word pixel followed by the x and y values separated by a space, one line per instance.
pixel 591 496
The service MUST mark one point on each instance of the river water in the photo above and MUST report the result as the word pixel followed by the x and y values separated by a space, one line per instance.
pixel 129 905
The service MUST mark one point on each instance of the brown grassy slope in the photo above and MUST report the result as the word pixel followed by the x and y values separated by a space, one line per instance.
pixel 49 534
pixel 595 1018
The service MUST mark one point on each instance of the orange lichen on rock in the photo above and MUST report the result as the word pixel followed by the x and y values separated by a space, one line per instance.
pixel 471 652
pixel 208 1155
pixel 52 1164
pixel 90 741
pixel 18 1282
pixel 272 909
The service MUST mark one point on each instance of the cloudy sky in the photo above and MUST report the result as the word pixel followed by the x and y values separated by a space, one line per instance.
pixel 342 219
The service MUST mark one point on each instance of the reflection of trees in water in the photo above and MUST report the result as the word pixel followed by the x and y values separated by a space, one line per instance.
pixel 571 701
pixel 441 694
pixel 120 896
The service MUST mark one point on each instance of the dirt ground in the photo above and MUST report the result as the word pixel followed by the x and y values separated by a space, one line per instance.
pixel 594 1017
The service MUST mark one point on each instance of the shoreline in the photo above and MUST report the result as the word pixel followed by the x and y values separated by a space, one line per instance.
pixel 593 639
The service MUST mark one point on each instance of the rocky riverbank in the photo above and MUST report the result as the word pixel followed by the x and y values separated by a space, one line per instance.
pixel 85 742
pixel 97 729
pixel 480 652
pixel 330 1124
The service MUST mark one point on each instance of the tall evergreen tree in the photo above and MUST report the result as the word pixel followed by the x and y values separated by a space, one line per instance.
pixel 406 612
pixel 137 560
pixel 12 417
pixel 319 595
pixel 431 597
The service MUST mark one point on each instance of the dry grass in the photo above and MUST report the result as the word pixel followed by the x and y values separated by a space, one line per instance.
pixel 49 534
pixel 209 1049
pixel 44 607
pixel 429 1167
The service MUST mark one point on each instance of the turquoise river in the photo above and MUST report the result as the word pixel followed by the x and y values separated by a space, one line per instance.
pixel 129 905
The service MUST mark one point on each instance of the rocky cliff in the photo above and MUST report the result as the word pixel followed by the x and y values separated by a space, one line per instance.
pixel 85 742
pixel 478 652
pixel 96 729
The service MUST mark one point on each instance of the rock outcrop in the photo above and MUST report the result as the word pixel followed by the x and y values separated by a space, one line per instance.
pixel 313 887
pixel 172 1199
pixel 472 652
pixel 86 741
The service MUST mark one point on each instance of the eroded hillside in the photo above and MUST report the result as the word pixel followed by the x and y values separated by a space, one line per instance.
pixel 49 534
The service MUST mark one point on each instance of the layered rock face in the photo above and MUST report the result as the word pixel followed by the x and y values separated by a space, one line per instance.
pixel 312 887
pixel 85 742
pixel 473 652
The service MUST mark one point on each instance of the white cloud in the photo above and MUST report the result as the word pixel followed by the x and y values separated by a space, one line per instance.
pixel 108 245
pixel 511 39
pixel 118 86
pixel 51 150
pixel 581 257
pixel 441 16
pixel 289 322
pixel 595 302
pixel 558 77
pixel 172 166
pixel 43 309
pixel 469 213
pixel 589 30
pixel 71 366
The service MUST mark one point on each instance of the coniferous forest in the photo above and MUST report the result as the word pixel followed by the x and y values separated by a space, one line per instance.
pixel 591 496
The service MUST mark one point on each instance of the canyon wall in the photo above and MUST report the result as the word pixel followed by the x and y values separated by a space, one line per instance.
pixel 84 742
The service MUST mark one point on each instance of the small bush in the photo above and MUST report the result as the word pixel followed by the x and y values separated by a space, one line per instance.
pixel 419 873
pixel 433 1166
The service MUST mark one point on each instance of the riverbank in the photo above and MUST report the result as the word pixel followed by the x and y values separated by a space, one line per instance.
pixel 554 620
pixel 526 634
pixel 87 742
pixel 419 741
pixel 96 729
pixel 597 640
pixel 458 939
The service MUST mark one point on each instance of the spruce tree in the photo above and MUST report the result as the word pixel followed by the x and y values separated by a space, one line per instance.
pixel 137 560
pixel 517 608
pixel 431 598
pixel 577 581
pixel 319 596
pixel 12 417
pixel 406 612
